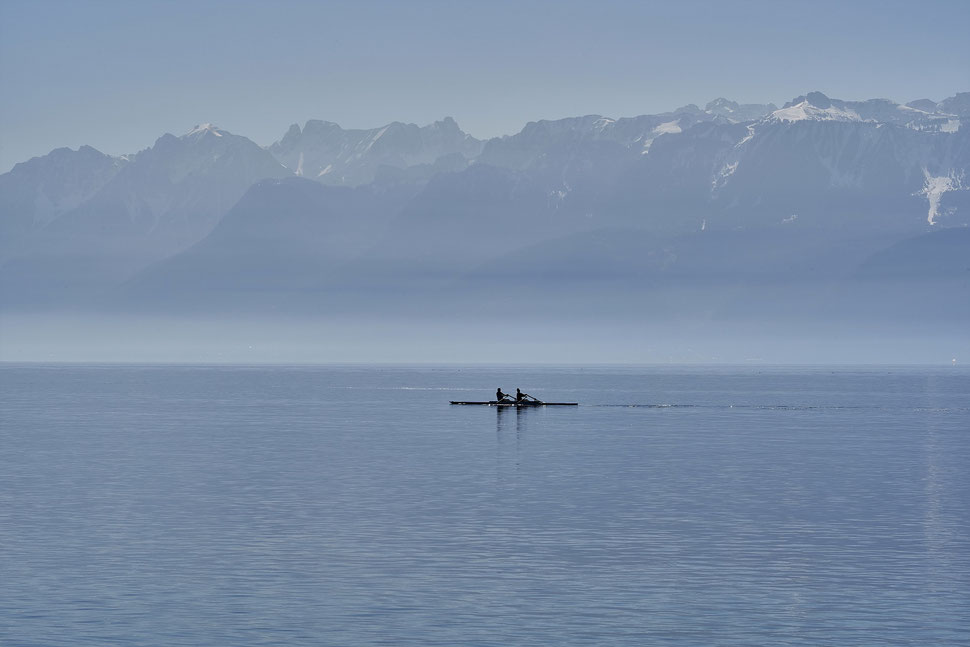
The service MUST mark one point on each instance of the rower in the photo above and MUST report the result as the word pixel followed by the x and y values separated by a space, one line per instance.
pixel 521 397
pixel 499 396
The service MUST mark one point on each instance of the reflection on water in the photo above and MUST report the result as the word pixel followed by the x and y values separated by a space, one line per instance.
pixel 354 506
pixel 511 425
pixel 508 418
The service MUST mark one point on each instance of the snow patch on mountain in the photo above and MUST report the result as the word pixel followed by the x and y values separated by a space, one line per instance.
pixel 922 115
pixel 722 176
pixel 746 138
pixel 805 111
pixel 556 196
pixel 202 129
pixel 668 128
pixel 912 109
pixel 951 126
pixel 373 140
pixel 673 127
pixel 935 186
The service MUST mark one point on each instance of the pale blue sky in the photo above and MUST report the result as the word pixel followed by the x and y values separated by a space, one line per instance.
pixel 117 74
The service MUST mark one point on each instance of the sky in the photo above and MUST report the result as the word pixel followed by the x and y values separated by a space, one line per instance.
pixel 116 75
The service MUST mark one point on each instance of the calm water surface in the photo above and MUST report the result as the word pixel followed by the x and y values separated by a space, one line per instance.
pixel 191 505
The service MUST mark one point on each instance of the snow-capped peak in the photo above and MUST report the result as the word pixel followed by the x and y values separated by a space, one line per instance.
pixel 807 111
pixel 201 129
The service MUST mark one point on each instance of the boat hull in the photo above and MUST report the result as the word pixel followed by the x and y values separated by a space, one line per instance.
pixel 494 403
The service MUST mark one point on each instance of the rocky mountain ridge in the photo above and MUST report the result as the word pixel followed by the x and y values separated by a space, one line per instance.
pixel 658 197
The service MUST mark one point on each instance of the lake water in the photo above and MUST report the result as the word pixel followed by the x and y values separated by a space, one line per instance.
pixel 206 505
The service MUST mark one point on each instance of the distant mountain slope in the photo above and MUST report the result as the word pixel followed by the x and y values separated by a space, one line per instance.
pixel 938 255
pixel 959 104
pixel 325 152
pixel 539 139
pixel 817 166
pixel 739 113
pixel 739 195
pixel 38 191
pixel 162 200
pixel 179 188
pixel 286 235
pixel 771 255
pixel 818 107
pixel 459 219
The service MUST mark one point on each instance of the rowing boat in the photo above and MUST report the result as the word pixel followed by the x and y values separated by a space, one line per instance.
pixel 495 403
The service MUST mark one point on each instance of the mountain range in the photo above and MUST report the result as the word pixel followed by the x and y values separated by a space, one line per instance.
pixel 732 207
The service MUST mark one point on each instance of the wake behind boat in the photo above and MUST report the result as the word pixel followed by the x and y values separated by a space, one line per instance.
pixel 520 399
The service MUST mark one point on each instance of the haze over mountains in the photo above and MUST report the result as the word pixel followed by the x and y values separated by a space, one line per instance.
pixel 823 209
